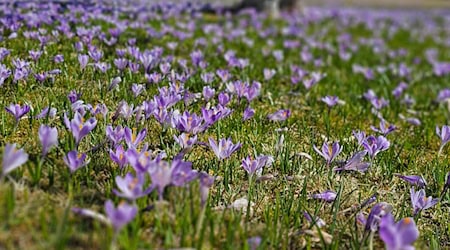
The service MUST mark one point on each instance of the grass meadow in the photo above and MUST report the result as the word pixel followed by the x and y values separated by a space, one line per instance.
pixel 154 126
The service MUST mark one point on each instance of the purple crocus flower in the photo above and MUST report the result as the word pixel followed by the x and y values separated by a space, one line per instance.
pixel 12 158
pixel 420 201
pixel 121 215
pixel 375 145
pixel 331 101
pixel 73 96
pixel 254 242
pixel 40 77
pixel 355 163
pixel 398 235
pixel 182 173
pixel 114 83
pixel 116 135
pixel 397 92
pixel 75 160
pixel 443 95
pixel 48 137
pixel 255 166
pixel 223 74
pixel 189 123
pixel 269 73
pixel 444 135
pixel 329 152
pixel 360 136
pixel 79 127
pixel 379 103
pixel 17 111
pixel 58 58
pixel 35 55
pixel 224 98
pixel 120 63
pixel 373 219
pixel 206 182
pixel 279 115
pixel 51 112
pixel 83 60
pixel 385 128
pixel 140 161
pixel 328 196
pixel 314 220
pixel 252 91
pixel 208 93
pixel 224 148
pixel 248 113
pixel 131 187
pixel 415 180
pixel 118 156
pixel 185 141
pixel 132 139
pixel 137 89
pixel 163 174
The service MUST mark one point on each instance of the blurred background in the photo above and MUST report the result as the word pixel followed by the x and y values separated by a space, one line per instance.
pixel 367 3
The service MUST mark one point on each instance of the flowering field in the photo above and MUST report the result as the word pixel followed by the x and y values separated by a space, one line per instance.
pixel 147 126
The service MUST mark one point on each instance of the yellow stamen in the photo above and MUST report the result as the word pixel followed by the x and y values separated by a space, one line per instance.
pixel 407 221
pixel 133 136
pixel 133 183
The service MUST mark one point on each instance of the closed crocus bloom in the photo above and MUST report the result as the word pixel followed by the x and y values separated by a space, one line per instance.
pixel 137 89
pixel 248 113
pixel 373 219
pixel 330 100
pixel 360 136
pixel 444 135
pixel 83 60
pixel 208 93
pixel 416 180
pixel 121 215
pixel 268 73
pixel 206 182
pixel 12 158
pixel 279 115
pixel 131 187
pixel 48 137
pixel 327 196
pixel 161 175
pixel 182 173
pixel 398 235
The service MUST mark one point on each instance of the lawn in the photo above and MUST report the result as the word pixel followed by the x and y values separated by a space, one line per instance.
pixel 153 126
